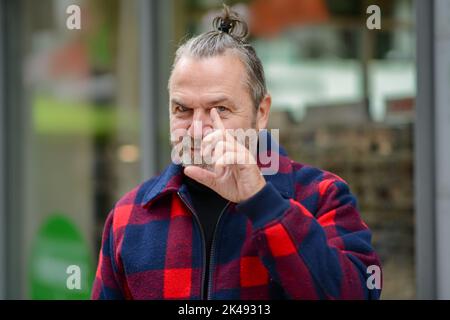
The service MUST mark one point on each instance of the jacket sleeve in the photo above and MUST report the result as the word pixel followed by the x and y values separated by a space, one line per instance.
pixel 106 284
pixel 325 255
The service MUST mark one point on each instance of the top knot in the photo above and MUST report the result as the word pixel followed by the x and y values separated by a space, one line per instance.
pixel 229 22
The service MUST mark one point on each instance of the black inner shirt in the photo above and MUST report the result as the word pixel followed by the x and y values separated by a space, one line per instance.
pixel 208 206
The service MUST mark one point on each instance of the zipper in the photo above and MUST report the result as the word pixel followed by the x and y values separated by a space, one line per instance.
pixel 202 232
pixel 211 254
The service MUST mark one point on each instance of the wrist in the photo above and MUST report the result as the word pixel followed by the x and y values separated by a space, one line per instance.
pixel 261 183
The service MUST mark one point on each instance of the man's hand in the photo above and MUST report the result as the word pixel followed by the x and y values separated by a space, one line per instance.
pixel 236 175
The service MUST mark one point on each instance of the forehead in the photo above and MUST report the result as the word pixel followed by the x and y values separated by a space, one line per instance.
pixel 218 75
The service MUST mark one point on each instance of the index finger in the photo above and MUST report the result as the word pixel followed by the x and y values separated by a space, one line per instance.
pixel 217 122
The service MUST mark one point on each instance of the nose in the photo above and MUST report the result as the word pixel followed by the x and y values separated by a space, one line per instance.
pixel 201 123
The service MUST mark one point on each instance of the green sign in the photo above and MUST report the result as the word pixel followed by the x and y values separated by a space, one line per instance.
pixel 60 266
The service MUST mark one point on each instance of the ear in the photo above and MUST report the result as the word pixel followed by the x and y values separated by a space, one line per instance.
pixel 262 117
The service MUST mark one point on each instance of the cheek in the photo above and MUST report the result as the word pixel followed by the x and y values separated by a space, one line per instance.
pixel 178 128
pixel 178 123
pixel 244 121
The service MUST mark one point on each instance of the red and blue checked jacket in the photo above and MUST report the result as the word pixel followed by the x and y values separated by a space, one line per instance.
pixel 300 237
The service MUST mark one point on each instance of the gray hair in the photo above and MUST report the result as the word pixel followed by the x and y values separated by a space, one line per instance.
pixel 230 33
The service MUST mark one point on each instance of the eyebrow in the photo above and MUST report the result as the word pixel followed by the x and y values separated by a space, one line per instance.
pixel 214 101
pixel 175 101
pixel 220 100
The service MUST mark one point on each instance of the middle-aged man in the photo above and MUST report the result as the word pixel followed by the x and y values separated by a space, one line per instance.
pixel 225 230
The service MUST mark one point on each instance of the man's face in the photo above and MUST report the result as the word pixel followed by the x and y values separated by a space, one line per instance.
pixel 198 85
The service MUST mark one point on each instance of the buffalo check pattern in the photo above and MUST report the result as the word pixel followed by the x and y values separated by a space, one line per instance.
pixel 300 237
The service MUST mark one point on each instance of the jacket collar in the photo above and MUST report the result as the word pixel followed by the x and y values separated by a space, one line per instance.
pixel 171 179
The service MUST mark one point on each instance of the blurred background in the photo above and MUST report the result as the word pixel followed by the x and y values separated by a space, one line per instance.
pixel 84 119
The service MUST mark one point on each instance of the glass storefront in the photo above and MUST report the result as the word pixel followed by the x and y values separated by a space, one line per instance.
pixel 81 101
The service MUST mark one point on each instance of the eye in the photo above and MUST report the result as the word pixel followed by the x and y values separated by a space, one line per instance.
pixel 181 109
pixel 221 109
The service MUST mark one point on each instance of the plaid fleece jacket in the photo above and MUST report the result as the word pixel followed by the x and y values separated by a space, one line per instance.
pixel 300 237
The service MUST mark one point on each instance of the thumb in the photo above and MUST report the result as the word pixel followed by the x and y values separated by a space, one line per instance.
pixel 203 176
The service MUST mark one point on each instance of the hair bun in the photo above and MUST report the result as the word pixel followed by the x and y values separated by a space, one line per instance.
pixel 231 23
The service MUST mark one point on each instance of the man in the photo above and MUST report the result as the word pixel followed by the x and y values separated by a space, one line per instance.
pixel 223 230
